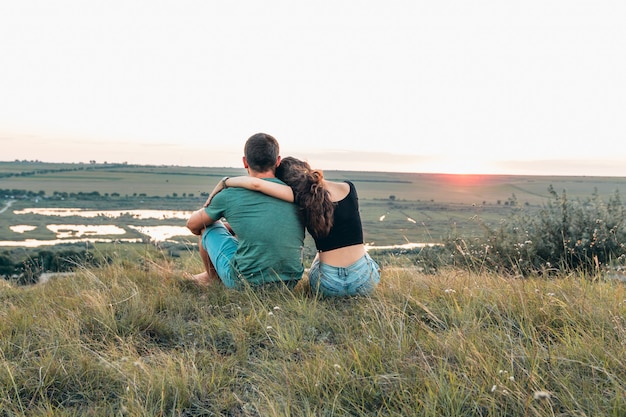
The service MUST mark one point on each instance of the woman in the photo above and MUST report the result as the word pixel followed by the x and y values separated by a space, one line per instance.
pixel 342 266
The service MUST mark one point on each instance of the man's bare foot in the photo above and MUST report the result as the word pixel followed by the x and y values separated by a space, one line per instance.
pixel 202 279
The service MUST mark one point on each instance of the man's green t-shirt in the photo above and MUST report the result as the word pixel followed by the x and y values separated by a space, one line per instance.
pixel 269 231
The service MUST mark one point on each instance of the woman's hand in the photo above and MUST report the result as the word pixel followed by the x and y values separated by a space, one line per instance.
pixel 218 187
pixel 281 191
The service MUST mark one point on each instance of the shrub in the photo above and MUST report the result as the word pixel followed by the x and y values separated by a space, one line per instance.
pixel 563 235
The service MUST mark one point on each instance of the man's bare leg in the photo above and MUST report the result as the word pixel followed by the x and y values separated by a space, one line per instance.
pixel 209 276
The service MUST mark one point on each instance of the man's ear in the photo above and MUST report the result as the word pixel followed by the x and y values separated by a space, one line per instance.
pixel 278 161
pixel 245 162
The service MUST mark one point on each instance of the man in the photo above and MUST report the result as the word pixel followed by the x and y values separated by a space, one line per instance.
pixel 268 233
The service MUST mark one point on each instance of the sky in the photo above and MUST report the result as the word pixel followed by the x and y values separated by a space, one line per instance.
pixel 533 87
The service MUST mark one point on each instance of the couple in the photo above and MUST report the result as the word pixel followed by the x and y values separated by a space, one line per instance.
pixel 261 240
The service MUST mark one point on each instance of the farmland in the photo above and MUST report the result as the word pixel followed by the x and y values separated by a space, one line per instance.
pixel 396 207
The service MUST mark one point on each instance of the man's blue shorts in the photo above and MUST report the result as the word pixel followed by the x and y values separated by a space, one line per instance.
pixel 221 246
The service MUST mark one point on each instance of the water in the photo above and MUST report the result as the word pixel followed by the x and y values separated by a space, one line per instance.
pixel 78 233
pixel 135 214
pixel 402 246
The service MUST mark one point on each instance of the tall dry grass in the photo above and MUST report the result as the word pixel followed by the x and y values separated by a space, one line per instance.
pixel 135 339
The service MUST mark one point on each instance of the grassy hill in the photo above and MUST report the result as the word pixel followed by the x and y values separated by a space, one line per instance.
pixel 135 339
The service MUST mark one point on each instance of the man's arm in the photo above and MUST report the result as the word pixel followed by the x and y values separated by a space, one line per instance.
pixel 198 221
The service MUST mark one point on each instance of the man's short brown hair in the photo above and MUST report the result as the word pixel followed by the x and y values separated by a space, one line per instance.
pixel 261 152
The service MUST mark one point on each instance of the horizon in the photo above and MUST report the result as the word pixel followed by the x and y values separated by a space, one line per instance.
pixel 455 174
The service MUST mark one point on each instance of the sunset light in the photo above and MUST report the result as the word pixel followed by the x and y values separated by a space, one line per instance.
pixel 464 165
pixel 456 164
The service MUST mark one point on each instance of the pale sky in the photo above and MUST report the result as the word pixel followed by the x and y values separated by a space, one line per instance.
pixel 488 86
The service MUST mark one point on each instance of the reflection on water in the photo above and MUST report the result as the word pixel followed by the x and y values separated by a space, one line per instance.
pixel 136 214
pixel 162 233
pixel 403 246
pixel 78 233
pixel 34 243
pixel 64 231
pixel 22 228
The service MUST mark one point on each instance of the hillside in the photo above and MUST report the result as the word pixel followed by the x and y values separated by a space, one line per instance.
pixel 134 339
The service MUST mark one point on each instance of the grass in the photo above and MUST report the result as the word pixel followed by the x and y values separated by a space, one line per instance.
pixel 134 339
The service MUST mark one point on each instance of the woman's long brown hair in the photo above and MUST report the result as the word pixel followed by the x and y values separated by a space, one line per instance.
pixel 309 194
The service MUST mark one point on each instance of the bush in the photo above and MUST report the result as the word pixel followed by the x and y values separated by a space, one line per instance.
pixel 26 269
pixel 563 236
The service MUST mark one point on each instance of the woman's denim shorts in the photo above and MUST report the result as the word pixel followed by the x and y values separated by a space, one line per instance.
pixel 360 278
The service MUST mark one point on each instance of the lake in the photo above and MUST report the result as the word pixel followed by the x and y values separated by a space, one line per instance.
pixel 78 233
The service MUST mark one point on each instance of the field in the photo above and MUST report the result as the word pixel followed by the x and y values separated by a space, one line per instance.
pixel 129 336
pixel 396 208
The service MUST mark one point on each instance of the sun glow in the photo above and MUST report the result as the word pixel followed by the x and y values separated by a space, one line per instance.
pixel 464 164
pixel 460 170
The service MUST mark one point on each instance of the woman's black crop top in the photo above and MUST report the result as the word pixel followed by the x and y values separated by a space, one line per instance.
pixel 347 229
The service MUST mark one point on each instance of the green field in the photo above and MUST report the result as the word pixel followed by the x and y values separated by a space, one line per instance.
pixel 396 207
